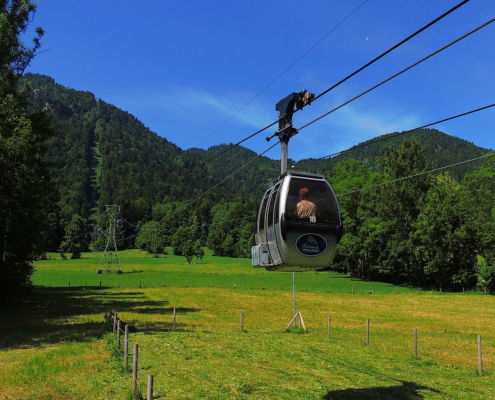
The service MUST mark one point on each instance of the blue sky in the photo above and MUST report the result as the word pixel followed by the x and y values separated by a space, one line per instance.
pixel 183 68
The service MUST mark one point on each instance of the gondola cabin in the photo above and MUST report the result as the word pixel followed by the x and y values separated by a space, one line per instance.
pixel 298 225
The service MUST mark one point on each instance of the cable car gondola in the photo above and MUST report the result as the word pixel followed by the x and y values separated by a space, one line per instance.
pixel 298 225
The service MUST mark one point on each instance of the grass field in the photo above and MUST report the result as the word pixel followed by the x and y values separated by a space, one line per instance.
pixel 53 345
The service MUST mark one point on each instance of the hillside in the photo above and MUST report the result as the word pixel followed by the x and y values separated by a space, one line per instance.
pixel 104 155
pixel 441 149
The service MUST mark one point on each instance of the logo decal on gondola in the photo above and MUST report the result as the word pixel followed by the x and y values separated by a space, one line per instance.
pixel 311 245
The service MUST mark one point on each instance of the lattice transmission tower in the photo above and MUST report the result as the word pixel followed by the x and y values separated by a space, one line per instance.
pixel 110 260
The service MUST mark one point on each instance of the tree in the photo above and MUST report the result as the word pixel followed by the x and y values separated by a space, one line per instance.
pixel 180 238
pixel 198 251
pixel 151 238
pixel 76 238
pixel 26 194
pixel 188 251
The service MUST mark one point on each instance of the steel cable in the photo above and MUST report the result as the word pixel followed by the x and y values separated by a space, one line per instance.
pixel 289 67
pixel 415 175
pixel 401 72
pixel 398 134
pixel 334 86
pixel 208 191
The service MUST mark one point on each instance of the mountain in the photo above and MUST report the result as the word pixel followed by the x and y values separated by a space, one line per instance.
pixel 104 155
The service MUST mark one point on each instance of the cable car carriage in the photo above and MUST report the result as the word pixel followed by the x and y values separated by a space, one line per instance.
pixel 298 225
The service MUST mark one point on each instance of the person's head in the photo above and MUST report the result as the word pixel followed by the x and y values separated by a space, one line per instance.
pixel 304 193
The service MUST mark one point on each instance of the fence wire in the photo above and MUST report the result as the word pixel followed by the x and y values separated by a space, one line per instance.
pixel 121 352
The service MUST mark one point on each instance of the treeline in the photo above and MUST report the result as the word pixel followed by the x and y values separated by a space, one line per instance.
pixel 202 225
pixel 428 231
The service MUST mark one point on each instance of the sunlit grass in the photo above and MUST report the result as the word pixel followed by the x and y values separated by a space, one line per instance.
pixel 53 345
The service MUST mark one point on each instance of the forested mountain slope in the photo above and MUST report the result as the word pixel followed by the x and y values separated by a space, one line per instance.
pixel 103 155
pixel 441 150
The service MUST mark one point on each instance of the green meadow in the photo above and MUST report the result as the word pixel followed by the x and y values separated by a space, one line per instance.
pixel 54 344
pixel 170 270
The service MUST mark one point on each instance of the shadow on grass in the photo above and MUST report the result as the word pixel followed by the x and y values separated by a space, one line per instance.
pixel 406 391
pixel 53 315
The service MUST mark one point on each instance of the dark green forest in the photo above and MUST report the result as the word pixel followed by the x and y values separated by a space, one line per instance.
pixel 103 155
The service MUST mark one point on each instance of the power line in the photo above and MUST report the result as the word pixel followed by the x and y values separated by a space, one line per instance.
pixel 401 72
pixel 205 225
pixel 394 47
pixel 415 175
pixel 397 134
pixel 227 149
pixel 209 190
pixel 332 87
pixel 380 140
pixel 283 72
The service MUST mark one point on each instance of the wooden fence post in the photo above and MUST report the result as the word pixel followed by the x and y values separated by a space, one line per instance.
pixel 114 322
pixel 135 368
pixel 150 388
pixel 415 342
pixel 480 357
pixel 174 318
pixel 100 284
pixel 352 290
pixel 372 290
pixel 242 330
pixel 368 332
pixel 329 324
pixel 126 344
pixel 118 334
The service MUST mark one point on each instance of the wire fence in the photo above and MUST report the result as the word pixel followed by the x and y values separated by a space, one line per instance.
pixel 139 378
pixel 432 343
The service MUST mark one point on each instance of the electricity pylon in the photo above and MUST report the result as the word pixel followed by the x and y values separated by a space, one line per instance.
pixel 110 258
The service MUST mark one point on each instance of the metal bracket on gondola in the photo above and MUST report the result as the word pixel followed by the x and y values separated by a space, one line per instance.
pixel 285 108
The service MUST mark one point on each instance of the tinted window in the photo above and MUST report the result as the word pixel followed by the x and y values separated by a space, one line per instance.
pixel 312 201
pixel 272 205
pixel 261 216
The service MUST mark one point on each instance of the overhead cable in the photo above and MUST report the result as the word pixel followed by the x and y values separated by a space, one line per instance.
pixel 393 48
pixel 379 140
pixel 208 191
pixel 401 72
pixel 205 225
pixel 415 175
pixel 227 149
pixel 283 72
pixel 334 86
pixel 396 134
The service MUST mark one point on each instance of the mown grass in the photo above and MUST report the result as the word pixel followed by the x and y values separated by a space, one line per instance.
pixel 142 269
pixel 53 345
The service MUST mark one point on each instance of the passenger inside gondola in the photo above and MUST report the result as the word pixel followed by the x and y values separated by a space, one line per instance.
pixel 305 208
pixel 311 201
